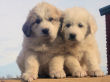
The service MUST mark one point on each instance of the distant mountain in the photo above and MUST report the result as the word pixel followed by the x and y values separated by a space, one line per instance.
pixel 10 70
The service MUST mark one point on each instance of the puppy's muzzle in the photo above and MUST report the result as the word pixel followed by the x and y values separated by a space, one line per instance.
pixel 45 31
pixel 72 37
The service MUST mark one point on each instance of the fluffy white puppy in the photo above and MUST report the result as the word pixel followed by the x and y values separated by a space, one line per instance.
pixel 41 43
pixel 79 28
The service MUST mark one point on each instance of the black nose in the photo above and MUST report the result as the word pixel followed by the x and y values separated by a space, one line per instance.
pixel 45 31
pixel 72 36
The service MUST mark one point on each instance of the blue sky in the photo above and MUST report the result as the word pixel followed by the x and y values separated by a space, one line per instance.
pixel 13 14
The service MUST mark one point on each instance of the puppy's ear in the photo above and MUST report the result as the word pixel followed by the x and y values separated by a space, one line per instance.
pixel 92 24
pixel 61 23
pixel 27 29
pixel 60 27
pixel 60 32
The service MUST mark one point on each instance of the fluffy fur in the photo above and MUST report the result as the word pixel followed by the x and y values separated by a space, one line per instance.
pixel 82 51
pixel 39 47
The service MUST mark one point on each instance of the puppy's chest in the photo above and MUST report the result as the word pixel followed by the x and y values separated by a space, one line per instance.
pixel 41 48
pixel 47 48
pixel 76 51
pixel 53 50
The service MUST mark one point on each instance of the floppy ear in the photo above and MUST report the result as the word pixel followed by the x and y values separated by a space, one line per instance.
pixel 62 21
pixel 92 24
pixel 60 27
pixel 27 29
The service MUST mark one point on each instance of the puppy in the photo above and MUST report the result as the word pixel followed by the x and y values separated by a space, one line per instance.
pixel 82 51
pixel 41 43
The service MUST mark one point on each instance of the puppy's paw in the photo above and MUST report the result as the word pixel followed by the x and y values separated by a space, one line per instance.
pixel 79 74
pixel 57 74
pixel 29 76
pixel 96 73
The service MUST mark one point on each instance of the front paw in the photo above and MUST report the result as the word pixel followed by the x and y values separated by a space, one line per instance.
pixel 79 74
pixel 57 74
pixel 96 73
pixel 29 76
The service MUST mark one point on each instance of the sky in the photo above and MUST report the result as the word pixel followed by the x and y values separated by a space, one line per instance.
pixel 13 14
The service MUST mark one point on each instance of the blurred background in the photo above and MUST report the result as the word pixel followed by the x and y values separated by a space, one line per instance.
pixel 13 14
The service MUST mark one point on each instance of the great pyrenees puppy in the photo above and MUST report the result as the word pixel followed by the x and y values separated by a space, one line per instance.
pixel 41 43
pixel 78 29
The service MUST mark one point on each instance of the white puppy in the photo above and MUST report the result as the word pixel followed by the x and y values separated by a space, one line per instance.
pixel 41 43
pixel 79 28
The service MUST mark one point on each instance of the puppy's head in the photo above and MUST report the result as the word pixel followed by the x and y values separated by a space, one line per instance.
pixel 78 24
pixel 43 21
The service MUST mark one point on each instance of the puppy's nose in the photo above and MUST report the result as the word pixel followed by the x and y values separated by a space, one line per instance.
pixel 72 36
pixel 45 31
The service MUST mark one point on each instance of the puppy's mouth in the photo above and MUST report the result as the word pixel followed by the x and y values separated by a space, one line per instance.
pixel 45 35
pixel 72 39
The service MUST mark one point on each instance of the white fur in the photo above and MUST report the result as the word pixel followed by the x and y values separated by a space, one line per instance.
pixel 39 49
pixel 83 51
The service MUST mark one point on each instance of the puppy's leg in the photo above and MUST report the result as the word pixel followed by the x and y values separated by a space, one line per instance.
pixel 56 66
pixel 93 67
pixel 20 62
pixel 31 68
pixel 74 67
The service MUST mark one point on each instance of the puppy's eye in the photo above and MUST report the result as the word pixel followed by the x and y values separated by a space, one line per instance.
pixel 50 19
pixel 80 25
pixel 38 21
pixel 68 25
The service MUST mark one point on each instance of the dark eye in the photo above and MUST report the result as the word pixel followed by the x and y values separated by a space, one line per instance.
pixel 80 25
pixel 50 19
pixel 38 21
pixel 68 25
